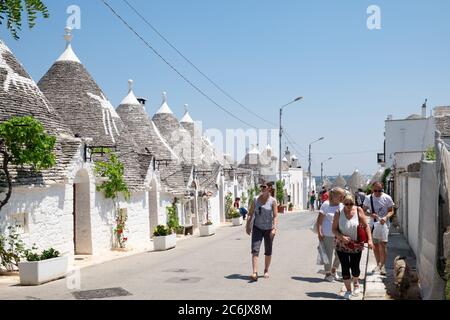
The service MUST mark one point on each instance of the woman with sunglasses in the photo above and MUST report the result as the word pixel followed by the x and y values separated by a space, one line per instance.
pixel 349 250
pixel 264 214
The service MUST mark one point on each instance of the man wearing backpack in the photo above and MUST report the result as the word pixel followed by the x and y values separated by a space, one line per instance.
pixel 381 208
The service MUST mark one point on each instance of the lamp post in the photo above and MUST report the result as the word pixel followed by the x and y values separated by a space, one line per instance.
pixel 281 131
pixel 321 169
pixel 309 166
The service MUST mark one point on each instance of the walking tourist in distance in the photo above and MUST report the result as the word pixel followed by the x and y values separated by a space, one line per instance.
pixel 262 224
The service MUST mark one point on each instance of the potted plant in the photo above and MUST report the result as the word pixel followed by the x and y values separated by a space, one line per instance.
pixel 280 196
pixel 164 238
pixel 179 230
pixel 236 218
pixel 207 229
pixel 41 268
pixel 291 206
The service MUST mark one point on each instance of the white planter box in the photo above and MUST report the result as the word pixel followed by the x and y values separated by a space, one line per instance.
pixel 38 272
pixel 206 231
pixel 237 221
pixel 165 242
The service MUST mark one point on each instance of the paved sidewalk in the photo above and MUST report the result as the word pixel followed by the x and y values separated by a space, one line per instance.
pixel 380 287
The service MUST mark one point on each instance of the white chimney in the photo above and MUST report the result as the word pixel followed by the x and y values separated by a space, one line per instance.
pixel 424 109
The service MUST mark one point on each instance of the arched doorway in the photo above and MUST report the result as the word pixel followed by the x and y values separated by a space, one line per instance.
pixel 82 235
pixel 153 205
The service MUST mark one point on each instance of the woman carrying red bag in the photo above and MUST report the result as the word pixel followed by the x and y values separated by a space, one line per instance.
pixel 347 224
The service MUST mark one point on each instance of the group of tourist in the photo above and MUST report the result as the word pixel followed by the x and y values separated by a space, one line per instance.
pixel 342 217
pixel 338 222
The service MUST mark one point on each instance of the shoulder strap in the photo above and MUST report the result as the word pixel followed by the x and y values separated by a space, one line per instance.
pixel 371 203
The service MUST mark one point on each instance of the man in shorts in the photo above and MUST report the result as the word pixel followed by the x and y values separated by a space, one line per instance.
pixel 381 208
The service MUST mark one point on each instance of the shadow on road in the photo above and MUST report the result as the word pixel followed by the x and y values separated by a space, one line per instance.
pixel 325 295
pixel 238 277
pixel 312 280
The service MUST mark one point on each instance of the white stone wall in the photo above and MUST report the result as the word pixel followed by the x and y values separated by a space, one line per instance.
pixel 103 221
pixel 214 214
pixel 413 212
pixel 296 187
pixel 48 216
pixel 166 200
pixel 408 135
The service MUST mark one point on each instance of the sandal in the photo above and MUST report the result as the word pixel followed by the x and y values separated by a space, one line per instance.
pixel 254 276
pixel 266 274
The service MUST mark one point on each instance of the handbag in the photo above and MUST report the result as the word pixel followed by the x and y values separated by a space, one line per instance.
pixel 361 232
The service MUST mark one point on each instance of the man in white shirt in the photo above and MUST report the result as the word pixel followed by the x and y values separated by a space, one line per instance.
pixel 381 208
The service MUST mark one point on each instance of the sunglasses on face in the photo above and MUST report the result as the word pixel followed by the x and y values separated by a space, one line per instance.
pixel 263 187
pixel 348 204
pixel 377 190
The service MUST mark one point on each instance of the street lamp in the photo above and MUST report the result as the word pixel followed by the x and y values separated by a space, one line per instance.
pixel 281 131
pixel 309 166
pixel 321 169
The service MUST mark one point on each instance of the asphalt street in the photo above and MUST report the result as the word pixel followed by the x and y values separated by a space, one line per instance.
pixel 216 267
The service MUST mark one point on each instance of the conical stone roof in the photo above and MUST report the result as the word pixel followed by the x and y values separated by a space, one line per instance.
pixel 173 177
pixel 84 107
pixel 356 181
pixel 179 139
pixel 339 182
pixel 20 96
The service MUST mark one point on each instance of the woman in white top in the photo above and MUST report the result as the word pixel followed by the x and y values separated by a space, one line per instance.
pixel 325 232
pixel 348 248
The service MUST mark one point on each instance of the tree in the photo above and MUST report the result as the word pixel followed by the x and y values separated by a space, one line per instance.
pixel 11 11
pixel 23 141
pixel 113 170
pixel 228 204
pixel 280 192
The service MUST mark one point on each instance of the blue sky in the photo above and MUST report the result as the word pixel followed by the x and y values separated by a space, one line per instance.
pixel 265 53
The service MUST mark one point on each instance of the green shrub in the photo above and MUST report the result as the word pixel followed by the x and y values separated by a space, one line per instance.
pixel 235 214
pixel 172 217
pixel 280 192
pixel 208 223
pixel 45 255
pixel 430 154
pixel 228 205
pixel 161 231
pixel 12 249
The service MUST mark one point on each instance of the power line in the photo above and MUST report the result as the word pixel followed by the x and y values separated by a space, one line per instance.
pixel 194 66
pixel 173 68
pixel 292 146
pixel 348 153
pixel 287 134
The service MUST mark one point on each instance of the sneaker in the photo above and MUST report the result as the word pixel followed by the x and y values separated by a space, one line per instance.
pixel 356 291
pixel 329 278
pixel 336 277
pixel 376 270
pixel 383 270
pixel 347 295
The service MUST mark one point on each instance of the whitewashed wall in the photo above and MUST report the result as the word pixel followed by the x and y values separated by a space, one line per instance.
pixel 403 159
pixel 408 135
pixel 103 221
pixel 215 209
pixel 296 187
pixel 413 212
pixel 48 216
pixel 431 284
